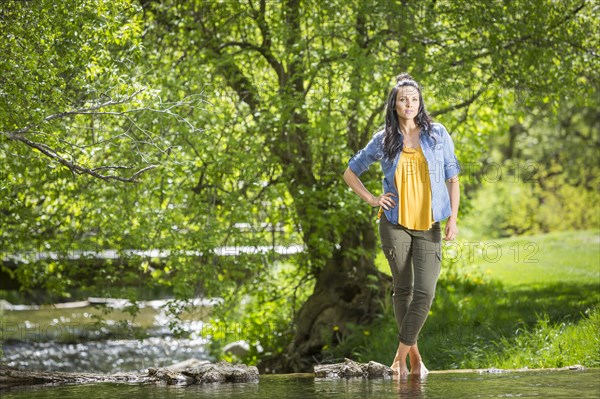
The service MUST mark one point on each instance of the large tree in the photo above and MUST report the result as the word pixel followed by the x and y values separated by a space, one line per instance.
pixel 312 78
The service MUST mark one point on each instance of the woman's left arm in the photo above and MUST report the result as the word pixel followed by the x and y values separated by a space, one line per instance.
pixel 451 171
pixel 454 192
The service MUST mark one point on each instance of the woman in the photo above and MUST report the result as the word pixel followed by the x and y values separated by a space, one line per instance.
pixel 420 189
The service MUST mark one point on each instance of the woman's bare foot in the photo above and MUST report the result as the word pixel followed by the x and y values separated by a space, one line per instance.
pixel 400 369
pixel 417 367
pixel 415 358
pixel 419 370
pixel 399 363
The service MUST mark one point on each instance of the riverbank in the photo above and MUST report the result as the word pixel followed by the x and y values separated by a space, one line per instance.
pixel 529 301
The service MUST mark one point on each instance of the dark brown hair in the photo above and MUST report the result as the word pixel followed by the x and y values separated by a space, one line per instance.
pixel 393 136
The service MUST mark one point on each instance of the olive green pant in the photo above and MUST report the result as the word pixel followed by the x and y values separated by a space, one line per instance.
pixel 415 259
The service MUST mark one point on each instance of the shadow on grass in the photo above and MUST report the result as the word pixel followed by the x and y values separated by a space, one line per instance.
pixel 558 301
pixel 470 317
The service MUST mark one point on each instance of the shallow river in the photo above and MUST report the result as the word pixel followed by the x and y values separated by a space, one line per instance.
pixel 23 347
pixel 548 384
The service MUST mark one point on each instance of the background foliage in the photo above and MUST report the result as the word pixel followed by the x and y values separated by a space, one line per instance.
pixel 236 119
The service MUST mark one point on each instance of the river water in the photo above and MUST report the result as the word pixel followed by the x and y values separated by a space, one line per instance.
pixel 540 385
pixel 105 356
pixel 69 339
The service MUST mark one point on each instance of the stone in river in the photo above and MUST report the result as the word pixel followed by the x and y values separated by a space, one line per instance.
pixel 350 368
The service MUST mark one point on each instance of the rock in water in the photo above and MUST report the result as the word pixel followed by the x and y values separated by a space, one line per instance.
pixel 221 372
pixel 351 368
pixel 169 377
pixel 186 364
pixel 378 370
pixel 197 374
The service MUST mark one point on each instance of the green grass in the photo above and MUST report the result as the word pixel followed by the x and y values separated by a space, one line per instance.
pixel 541 260
pixel 553 345
pixel 520 302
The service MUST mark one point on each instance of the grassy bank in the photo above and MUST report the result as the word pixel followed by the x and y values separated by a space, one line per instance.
pixel 509 303
pixel 519 302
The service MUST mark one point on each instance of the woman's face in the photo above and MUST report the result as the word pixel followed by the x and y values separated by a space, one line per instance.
pixel 407 102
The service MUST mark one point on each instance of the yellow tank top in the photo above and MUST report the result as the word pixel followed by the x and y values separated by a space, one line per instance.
pixel 414 190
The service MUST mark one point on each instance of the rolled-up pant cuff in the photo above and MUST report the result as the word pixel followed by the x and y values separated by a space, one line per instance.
pixel 405 342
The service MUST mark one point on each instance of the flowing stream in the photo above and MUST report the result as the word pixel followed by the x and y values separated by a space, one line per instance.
pixel 103 356
pixel 77 339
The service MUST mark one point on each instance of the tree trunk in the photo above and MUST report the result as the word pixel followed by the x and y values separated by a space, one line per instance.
pixel 347 291
pixel 348 286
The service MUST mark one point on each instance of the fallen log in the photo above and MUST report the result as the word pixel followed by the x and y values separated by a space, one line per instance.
pixel 202 373
pixel 350 368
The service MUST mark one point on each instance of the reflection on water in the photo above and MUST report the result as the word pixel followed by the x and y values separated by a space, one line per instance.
pixel 557 384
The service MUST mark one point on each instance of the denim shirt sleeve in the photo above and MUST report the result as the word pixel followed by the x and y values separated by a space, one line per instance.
pixel 373 151
pixel 451 165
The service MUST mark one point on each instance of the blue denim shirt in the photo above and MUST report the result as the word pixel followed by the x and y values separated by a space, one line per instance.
pixel 438 149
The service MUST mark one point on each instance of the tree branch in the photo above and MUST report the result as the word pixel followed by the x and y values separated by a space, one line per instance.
pixel 76 168
pixel 465 103
pixel 98 109
pixel 522 39
pixel 88 110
